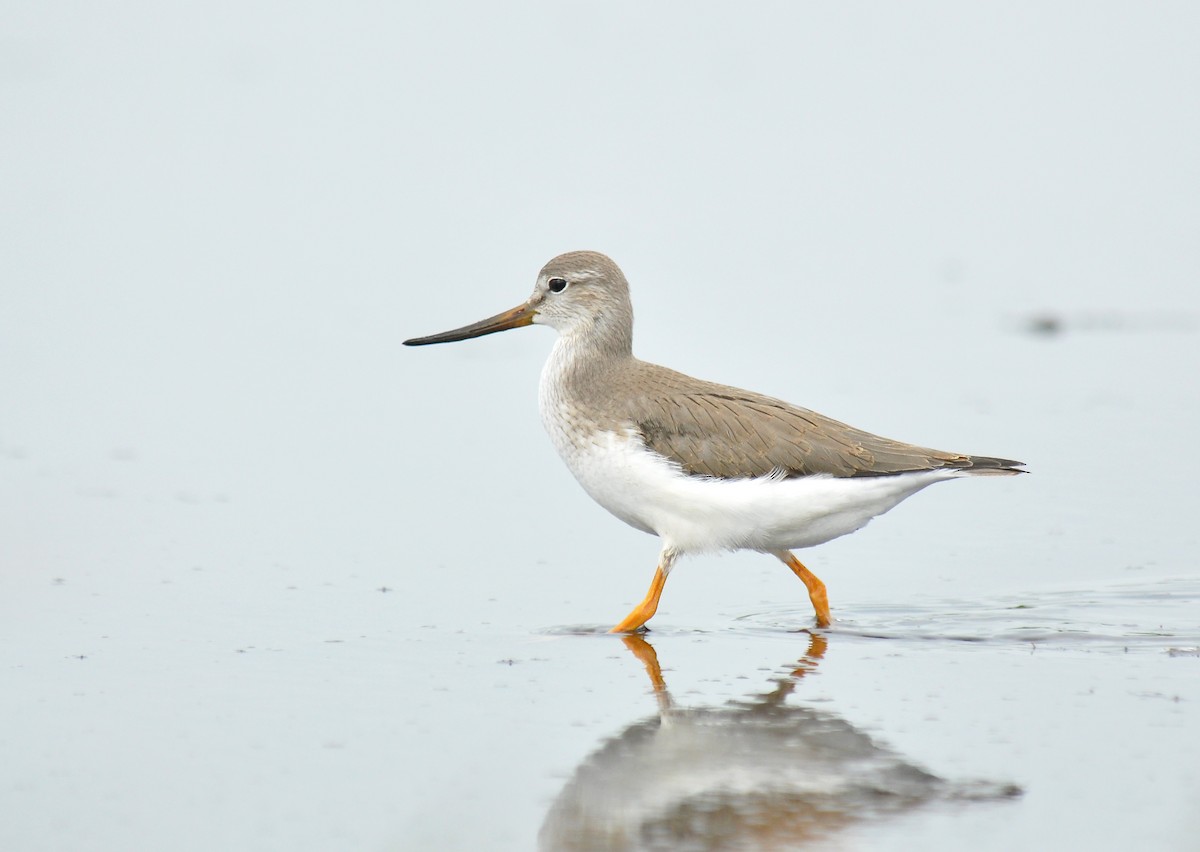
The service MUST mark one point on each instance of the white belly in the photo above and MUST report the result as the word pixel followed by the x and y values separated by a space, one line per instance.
pixel 694 513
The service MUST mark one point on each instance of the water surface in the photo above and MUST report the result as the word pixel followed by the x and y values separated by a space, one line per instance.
pixel 269 581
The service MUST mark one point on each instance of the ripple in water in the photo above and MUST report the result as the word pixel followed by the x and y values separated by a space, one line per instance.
pixel 1162 615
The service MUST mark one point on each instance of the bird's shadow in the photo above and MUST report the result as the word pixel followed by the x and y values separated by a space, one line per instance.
pixel 757 773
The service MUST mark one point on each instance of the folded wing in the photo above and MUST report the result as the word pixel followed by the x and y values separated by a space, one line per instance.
pixel 719 431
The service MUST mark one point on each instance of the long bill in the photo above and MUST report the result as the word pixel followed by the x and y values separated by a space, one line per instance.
pixel 517 317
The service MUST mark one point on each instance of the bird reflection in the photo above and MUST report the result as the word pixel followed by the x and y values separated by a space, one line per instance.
pixel 753 774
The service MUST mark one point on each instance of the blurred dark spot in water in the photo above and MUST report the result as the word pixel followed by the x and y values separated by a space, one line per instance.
pixel 1044 324
pixel 1054 324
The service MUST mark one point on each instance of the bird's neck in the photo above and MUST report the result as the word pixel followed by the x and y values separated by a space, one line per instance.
pixel 595 343
pixel 582 361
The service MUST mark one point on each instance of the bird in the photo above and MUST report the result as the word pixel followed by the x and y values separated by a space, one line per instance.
pixel 703 466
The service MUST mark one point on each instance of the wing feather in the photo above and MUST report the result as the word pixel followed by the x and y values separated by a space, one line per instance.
pixel 719 431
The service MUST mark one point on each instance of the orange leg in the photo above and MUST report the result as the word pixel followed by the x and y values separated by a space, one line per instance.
pixel 644 611
pixel 816 589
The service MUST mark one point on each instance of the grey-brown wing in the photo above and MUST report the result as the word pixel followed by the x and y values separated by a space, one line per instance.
pixel 723 432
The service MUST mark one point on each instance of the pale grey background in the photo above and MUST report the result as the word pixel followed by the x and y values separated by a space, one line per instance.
pixel 221 219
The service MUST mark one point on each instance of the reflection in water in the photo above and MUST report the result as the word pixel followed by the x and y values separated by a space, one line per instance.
pixel 752 774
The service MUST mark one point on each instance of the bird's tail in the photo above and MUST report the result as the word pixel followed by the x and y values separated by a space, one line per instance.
pixel 989 466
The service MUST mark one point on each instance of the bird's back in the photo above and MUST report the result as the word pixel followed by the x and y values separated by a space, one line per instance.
pixel 721 431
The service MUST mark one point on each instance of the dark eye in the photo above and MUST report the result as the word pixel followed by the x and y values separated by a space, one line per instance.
pixel 557 285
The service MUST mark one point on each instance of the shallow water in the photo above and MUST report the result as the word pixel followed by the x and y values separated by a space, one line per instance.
pixel 269 581
pixel 314 715
pixel 757 769
pixel 1101 617
pixel 1033 677
pixel 252 652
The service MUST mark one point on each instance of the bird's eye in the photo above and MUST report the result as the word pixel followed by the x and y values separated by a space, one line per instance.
pixel 557 285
